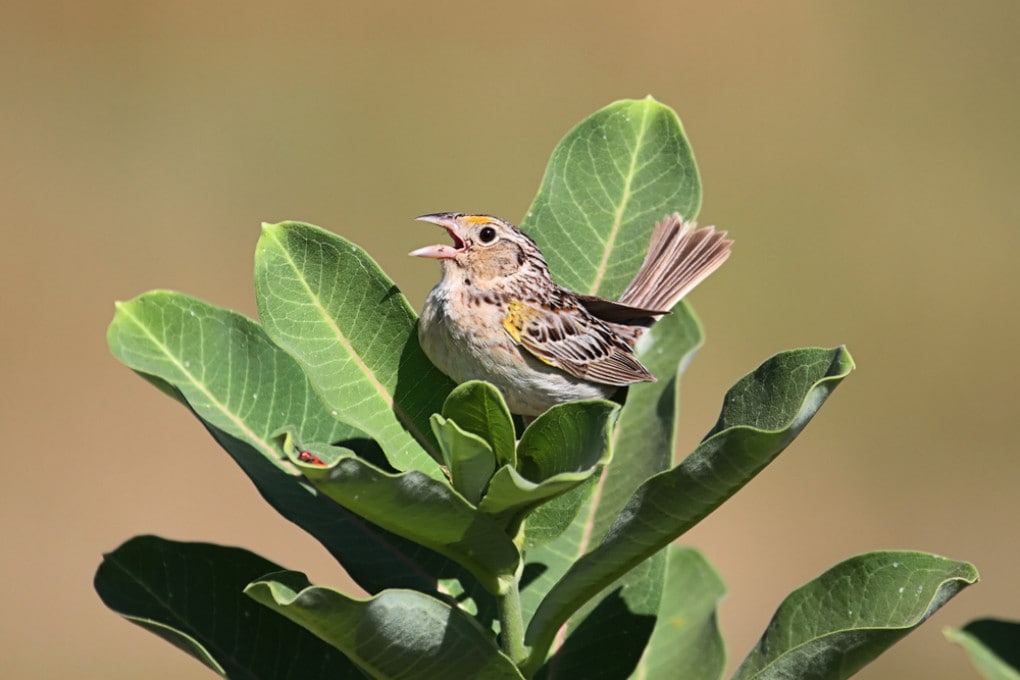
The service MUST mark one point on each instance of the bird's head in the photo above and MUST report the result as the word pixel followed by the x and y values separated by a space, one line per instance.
pixel 485 249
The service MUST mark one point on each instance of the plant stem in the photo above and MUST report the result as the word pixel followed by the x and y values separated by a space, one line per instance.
pixel 511 622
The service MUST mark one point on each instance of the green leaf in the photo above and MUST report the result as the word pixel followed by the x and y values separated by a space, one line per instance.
pixel 563 448
pixel 396 634
pixel 569 437
pixel 192 595
pixel 214 361
pixel 608 182
pixel 687 642
pixel 479 408
pixel 419 508
pixel 761 415
pixel 642 446
pixel 468 457
pixel 833 626
pixel 681 639
pixel 645 436
pixel 224 366
pixel 374 558
pixel 606 644
pixel 323 300
pixel 550 521
pixel 993 647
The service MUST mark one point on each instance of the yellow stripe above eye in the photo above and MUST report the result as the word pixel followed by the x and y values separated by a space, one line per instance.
pixel 475 219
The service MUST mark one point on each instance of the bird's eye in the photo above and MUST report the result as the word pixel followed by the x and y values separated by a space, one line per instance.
pixel 487 235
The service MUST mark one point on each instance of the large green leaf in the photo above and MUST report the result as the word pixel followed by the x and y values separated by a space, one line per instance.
pixel 608 181
pixel 373 557
pixel 645 436
pixel 326 302
pixel 224 366
pixel 562 449
pixel 993 647
pixel 396 634
pixel 680 640
pixel 192 595
pixel 833 626
pixel 761 415
pixel 419 508
pixel 244 388
pixel 643 445
pixel 687 642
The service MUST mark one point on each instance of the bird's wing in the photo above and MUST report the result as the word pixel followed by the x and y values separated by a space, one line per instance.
pixel 574 342
pixel 611 310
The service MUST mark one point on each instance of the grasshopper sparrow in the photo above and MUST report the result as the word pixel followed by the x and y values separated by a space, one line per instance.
pixel 497 315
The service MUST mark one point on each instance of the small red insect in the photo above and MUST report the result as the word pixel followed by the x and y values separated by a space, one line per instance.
pixel 309 457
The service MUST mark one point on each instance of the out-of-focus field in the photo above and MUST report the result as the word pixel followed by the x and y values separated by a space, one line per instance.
pixel 864 156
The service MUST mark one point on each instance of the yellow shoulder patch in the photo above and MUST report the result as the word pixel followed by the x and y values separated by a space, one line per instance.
pixel 517 314
pixel 513 322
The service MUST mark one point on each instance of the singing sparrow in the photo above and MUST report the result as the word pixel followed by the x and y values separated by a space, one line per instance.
pixel 497 315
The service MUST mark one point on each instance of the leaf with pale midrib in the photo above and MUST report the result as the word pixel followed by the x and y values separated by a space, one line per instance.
pixel 214 360
pixel 226 368
pixel 608 181
pixel 326 302
pixel 831 627
pixel 782 395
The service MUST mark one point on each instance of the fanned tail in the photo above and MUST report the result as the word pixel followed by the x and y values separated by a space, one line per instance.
pixel 680 256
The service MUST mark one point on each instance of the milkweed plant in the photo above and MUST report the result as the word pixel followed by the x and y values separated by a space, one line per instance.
pixel 487 550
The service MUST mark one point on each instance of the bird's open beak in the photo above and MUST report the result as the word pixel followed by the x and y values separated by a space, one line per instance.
pixel 447 221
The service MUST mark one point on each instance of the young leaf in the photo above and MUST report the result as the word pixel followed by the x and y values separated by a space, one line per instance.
pixel 192 595
pixel 568 437
pixel 832 627
pixel 327 303
pixel 468 457
pixel 563 448
pixel 761 415
pixel 419 508
pixel 479 408
pixel 608 182
pixel 396 634
pixel 993 647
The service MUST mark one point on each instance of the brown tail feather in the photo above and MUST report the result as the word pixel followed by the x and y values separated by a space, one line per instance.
pixel 679 257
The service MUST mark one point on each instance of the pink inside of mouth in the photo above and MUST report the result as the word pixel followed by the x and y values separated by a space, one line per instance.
pixel 458 242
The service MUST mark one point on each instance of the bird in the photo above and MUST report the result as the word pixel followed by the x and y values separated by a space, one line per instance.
pixel 498 315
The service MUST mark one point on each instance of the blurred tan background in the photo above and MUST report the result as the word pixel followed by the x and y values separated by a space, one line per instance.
pixel 864 156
